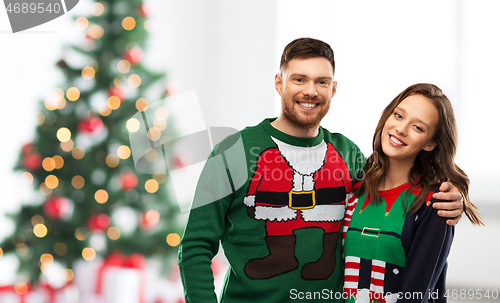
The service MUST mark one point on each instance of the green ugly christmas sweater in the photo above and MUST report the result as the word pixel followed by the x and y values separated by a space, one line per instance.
pixel 393 256
pixel 276 205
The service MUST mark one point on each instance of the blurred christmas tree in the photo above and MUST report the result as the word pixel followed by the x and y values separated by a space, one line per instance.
pixel 93 201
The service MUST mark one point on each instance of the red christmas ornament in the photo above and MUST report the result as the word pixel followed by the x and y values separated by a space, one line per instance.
pixel 115 91
pixel 141 9
pixel 27 148
pixel 133 55
pixel 32 161
pixel 148 220
pixel 98 222
pixel 128 181
pixel 90 125
pixel 56 207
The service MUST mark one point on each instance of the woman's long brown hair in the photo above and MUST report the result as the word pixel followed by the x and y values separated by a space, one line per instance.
pixel 431 168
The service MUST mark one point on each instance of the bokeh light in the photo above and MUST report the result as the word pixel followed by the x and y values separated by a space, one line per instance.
pixel 82 23
pixel 151 155
pixel 151 186
pixel 161 113
pixel 78 152
pixel 114 102
pixel 160 124
pixel 160 178
pixel 60 249
pixel 44 190
pixel 95 31
pixel 88 254
pixel 97 9
pixel 128 23
pixel 59 161
pixel 21 288
pixel 147 26
pixel 154 134
pixel 112 160
pixel 80 234
pixel 51 181
pixel 27 178
pixel 40 118
pixel 114 233
pixel 101 196
pixel 40 230
pixel 78 182
pixel 141 104
pixel 88 72
pixel 104 110
pixel 134 80
pixel 123 152
pixel 68 274
pixel 133 125
pixel 22 250
pixel 49 164
pixel 67 146
pixel 63 134
pixel 51 104
pixel 153 216
pixel 37 219
pixel 73 94
pixel 173 239
pixel 119 80
pixel 46 259
pixel 123 66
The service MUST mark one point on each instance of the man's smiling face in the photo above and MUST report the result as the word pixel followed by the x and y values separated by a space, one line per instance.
pixel 306 88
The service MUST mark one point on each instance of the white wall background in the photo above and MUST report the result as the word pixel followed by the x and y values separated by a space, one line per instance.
pixel 229 52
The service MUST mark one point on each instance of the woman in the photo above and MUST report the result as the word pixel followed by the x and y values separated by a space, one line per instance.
pixel 395 243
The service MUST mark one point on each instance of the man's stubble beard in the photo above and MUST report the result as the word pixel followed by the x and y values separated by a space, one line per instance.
pixel 302 121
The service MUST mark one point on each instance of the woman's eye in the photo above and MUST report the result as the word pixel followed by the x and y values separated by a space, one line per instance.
pixel 418 128
pixel 399 116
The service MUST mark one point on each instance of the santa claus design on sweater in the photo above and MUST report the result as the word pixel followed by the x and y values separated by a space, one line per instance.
pixel 297 187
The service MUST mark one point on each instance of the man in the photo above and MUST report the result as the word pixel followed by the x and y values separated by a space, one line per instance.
pixel 280 231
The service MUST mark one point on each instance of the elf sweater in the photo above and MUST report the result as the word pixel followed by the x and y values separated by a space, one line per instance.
pixel 393 257
pixel 285 217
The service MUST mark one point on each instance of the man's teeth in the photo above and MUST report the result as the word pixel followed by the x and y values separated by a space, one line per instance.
pixel 396 141
pixel 307 104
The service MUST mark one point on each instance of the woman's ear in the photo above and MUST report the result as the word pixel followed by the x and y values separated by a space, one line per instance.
pixel 430 146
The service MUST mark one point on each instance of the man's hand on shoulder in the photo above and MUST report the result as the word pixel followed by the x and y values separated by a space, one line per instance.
pixel 453 209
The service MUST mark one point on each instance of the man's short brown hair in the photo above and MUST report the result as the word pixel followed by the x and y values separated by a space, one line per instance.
pixel 304 48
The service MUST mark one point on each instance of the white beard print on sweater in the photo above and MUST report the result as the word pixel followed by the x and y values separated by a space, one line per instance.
pixel 304 161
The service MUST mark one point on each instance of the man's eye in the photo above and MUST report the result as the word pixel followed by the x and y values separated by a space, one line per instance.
pixel 299 80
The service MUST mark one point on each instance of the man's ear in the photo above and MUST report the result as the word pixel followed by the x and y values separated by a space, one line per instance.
pixel 278 83
pixel 430 146
pixel 334 88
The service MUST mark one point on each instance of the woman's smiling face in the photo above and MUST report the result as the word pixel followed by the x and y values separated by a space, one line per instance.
pixel 410 128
